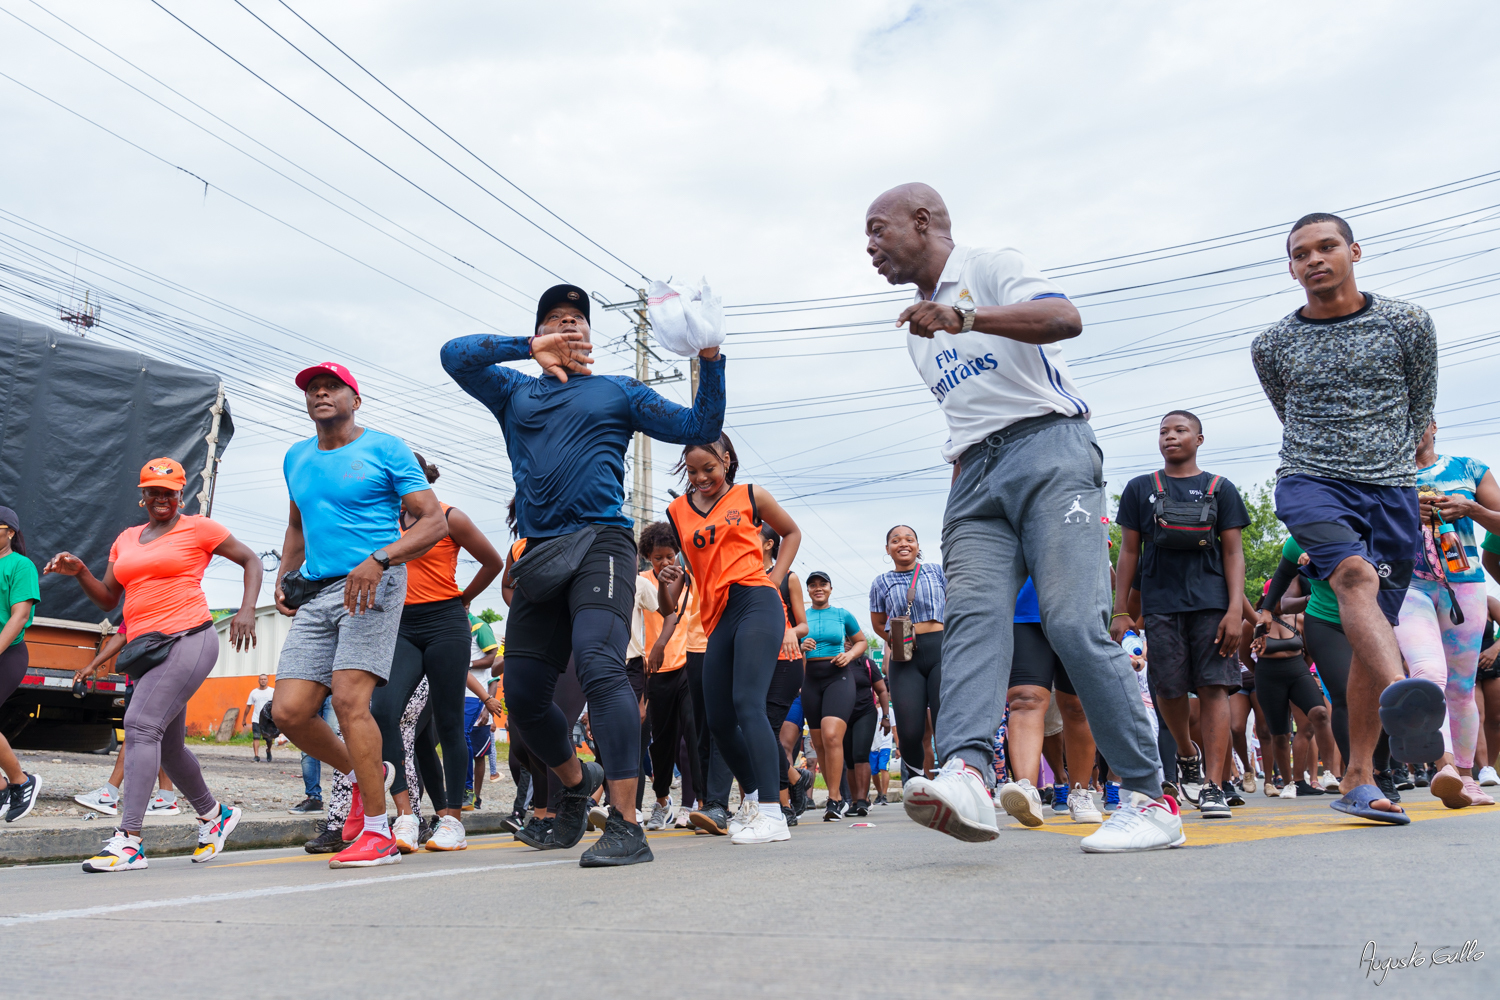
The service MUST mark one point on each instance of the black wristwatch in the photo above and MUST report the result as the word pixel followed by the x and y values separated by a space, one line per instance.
pixel 380 556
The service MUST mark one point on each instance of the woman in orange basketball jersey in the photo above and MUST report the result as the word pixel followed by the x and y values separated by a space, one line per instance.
pixel 718 527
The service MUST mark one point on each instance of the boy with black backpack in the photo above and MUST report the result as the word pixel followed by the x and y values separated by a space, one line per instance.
pixel 1182 526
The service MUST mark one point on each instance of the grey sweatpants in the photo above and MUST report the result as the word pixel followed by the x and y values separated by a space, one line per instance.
pixel 1030 504
pixel 155 724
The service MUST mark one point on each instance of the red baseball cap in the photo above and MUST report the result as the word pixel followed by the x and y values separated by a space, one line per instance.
pixel 332 367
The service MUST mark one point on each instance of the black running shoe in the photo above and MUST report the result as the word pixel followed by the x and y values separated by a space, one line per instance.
pixel 329 841
pixel 1303 788
pixel 4 800
pixel 860 808
pixel 538 834
pixel 881 800
pixel 834 810
pixel 1212 803
pixel 572 819
pixel 801 792
pixel 1190 777
pixel 713 818
pixel 1232 794
pixel 1386 782
pixel 621 843
pixel 513 822
pixel 790 814
pixel 1424 775
pixel 1402 777
pixel 23 798
pixel 307 805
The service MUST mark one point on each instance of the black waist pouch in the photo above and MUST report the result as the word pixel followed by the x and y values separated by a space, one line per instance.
pixel 297 590
pixel 543 570
pixel 145 652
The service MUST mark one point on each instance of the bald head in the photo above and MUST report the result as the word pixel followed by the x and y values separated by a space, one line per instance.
pixel 910 234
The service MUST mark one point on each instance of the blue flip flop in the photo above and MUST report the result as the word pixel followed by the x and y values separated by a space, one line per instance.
pixel 1412 711
pixel 1357 803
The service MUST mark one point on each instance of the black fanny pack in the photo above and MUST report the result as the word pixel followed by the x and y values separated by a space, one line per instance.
pixel 1183 524
pixel 297 590
pixel 544 569
pixel 150 650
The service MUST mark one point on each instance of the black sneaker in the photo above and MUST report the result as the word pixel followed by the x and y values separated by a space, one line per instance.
pixel 860 808
pixel 1402 777
pixel 23 798
pixel 881 800
pixel 713 818
pixel 801 792
pixel 1386 782
pixel 330 841
pixel 538 834
pixel 572 819
pixel 1232 794
pixel 307 805
pixel 834 810
pixel 1303 788
pixel 621 843
pixel 268 755
pixel 513 822
pixel 790 814
pixel 1212 803
pixel 4 800
pixel 1423 775
pixel 1190 777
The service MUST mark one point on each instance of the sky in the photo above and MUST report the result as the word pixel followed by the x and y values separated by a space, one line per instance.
pixel 256 216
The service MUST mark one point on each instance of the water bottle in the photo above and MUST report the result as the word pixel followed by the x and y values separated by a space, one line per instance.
pixel 1132 644
pixel 1452 547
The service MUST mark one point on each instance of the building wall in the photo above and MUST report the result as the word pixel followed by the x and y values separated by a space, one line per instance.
pixel 235 674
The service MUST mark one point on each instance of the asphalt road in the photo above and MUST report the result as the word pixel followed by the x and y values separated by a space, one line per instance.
pixel 1280 901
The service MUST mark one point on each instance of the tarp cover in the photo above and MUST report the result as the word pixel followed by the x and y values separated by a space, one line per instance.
pixel 78 419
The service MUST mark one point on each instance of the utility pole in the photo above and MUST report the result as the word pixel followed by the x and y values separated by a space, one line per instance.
pixel 640 481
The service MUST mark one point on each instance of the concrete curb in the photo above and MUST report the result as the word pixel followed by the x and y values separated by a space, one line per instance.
pixel 39 841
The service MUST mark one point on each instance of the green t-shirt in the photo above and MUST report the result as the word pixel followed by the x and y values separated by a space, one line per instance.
pixel 482 634
pixel 18 582
pixel 1491 542
pixel 1323 602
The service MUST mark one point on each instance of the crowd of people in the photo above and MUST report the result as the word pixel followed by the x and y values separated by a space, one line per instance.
pixel 687 651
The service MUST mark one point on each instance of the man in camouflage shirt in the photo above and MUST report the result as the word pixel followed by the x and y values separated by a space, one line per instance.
pixel 1353 378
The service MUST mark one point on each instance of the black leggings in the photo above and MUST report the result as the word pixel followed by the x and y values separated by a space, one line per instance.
pixel 13 662
pixel 669 709
pixel 827 692
pixel 737 671
pixel 1330 650
pixel 914 692
pixel 859 738
pixel 429 766
pixel 599 639
pixel 1282 681
pixel 433 643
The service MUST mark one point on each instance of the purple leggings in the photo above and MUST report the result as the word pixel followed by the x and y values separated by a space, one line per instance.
pixel 155 724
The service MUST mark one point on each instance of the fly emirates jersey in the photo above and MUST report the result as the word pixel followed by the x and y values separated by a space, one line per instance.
pixel 722 547
pixel 985 383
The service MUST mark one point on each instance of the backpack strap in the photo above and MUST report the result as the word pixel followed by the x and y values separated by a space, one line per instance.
pixel 1161 491
pixel 1213 484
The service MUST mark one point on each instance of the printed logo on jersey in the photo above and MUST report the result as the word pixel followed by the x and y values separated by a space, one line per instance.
pixel 732 518
pixel 954 369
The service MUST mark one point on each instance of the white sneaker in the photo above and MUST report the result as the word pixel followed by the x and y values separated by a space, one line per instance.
pixel 1140 824
pixel 662 815
pixel 1082 807
pixel 1488 776
pixel 955 801
pixel 598 816
pixel 100 800
pixel 1290 791
pixel 449 836
pixel 766 826
pixel 162 806
pixel 1023 801
pixel 684 818
pixel 742 816
pixel 121 853
pixel 407 830
pixel 1328 781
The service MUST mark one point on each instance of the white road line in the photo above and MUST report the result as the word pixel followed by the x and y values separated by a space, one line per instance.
pixel 274 890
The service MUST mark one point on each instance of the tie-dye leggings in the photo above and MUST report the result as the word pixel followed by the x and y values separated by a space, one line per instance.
pixel 1437 650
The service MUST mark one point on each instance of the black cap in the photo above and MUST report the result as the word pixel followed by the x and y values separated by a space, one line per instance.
pixel 8 517
pixel 818 574
pixel 561 295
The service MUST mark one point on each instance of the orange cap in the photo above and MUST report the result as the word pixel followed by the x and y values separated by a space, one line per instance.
pixel 163 472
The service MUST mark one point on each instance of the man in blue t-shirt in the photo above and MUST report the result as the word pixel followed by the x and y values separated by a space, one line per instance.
pixel 348 485
pixel 566 434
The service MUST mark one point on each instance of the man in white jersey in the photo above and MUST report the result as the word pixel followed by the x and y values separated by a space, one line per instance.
pixel 1027 495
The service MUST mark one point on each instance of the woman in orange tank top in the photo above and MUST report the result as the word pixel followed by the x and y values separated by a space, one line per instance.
pixel 718 528
pixel 434 643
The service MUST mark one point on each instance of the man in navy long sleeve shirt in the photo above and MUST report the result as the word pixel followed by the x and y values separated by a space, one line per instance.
pixel 566 433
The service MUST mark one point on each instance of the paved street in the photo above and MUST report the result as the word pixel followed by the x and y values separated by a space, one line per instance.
pixel 1281 899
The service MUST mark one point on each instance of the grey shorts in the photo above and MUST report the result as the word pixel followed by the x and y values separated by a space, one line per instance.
pixel 1181 654
pixel 325 637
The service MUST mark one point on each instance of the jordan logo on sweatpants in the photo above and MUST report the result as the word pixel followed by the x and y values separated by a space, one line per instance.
pixel 1076 514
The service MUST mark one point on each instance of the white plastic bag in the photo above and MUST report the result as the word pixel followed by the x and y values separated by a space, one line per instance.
pixel 685 318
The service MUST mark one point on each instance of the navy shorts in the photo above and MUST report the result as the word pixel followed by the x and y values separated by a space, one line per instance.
pixel 794 714
pixel 1333 519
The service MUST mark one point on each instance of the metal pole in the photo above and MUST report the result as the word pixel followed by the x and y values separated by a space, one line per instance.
pixel 211 464
pixel 641 482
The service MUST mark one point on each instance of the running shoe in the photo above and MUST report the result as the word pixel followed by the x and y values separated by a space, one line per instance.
pixel 1212 803
pixel 573 814
pixel 449 836
pixel 1288 791
pixel 801 792
pixel 1327 781
pixel 1060 800
pixel 790 814
pixel 121 853
pixel 370 850
pixel 513 822
pixel 598 817
pixel 328 841
pixel 1475 793
pixel 407 830
pixel 354 823
pixel 860 808
pixel 712 819
pixel 1303 788
pixel 469 805
pixel 537 834
pixel 1190 777
pixel 1421 777
pixel 307 805
pixel 1402 776
pixel 955 802
pixel 101 800
pixel 1488 776
pixel 620 844
pixel 1112 795
pixel 835 810
pixel 1248 781
pixel 1448 786
pixel 1387 785
pixel 1022 801
pixel 662 815
pixel 1232 794
pixel 1081 806
pixel 742 816
pixel 23 798
pixel 684 818
pixel 212 832
pixel 160 805
pixel 1140 824
pixel 764 827
pixel 5 799
pixel 881 800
